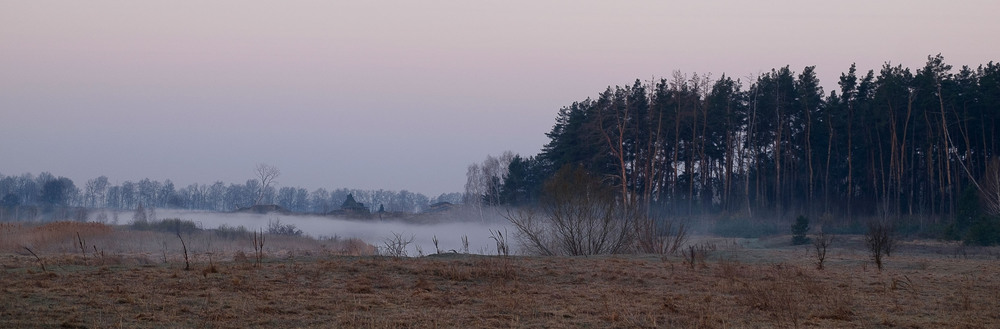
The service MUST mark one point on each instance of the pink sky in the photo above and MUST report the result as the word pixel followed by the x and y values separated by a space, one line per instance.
pixel 395 94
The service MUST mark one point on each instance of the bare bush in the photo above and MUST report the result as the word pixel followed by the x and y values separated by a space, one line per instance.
pixel 659 236
pixel 697 252
pixel 880 240
pixel 689 256
pixel 532 231
pixel 577 215
pixel 395 246
pixel 822 242
pixel 232 232
pixel 275 227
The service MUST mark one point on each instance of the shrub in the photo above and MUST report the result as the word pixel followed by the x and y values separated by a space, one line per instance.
pixel 697 252
pixel 822 242
pixel 984 232
pixel 176 225
pixel 232 232
pixel 880 240
pixel 396 245
pixel 799 230
pixel 577 215
pixel 967 213
pixel 659 236
pixel 275 227
pixel 170 225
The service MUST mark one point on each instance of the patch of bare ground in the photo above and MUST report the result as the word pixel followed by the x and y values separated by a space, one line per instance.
pixel 733 285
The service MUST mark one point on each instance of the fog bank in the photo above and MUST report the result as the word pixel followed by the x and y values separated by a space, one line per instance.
pixel 449 233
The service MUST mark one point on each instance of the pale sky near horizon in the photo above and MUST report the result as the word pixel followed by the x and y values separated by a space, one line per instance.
pixel 395 94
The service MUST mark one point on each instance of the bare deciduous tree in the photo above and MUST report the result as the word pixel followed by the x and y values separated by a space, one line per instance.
pixel 473 190
pixel 267 174
pixel 485 181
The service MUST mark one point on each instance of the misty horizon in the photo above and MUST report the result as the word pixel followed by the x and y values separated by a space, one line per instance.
pixel 449 233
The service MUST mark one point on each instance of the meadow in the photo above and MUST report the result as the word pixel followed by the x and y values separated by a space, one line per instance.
pixel 91 275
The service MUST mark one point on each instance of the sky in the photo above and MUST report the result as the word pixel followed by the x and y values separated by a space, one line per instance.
pixel 396 94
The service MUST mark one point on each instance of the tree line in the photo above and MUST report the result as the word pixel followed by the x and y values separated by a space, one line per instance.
pixel 890 143
pixel 37 194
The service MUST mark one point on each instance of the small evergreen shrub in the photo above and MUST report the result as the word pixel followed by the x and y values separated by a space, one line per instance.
pixel 799 230
pixel 984 232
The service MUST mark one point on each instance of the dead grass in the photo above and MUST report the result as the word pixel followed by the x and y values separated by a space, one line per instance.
pixel 736 287
pixel 61 235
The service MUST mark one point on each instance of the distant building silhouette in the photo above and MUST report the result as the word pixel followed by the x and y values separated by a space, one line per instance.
pixel 351 208
pixel 440 207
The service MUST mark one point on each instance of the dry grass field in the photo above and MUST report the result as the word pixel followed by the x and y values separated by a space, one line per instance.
pixel 734 283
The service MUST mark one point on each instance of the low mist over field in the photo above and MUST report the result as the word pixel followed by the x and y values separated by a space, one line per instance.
pixel 374 231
